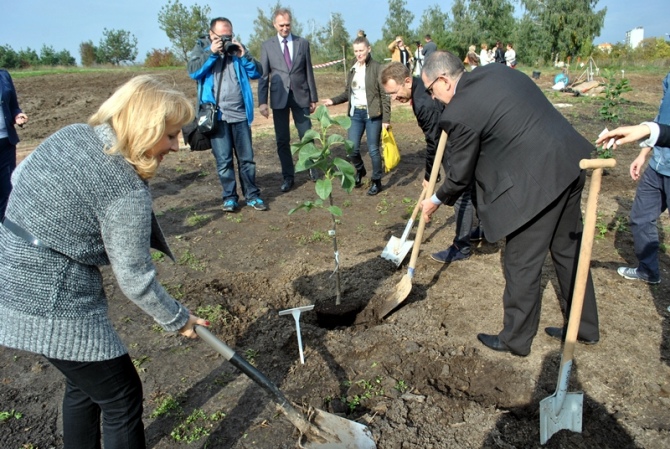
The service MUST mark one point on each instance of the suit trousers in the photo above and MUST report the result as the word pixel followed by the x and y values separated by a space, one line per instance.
pixel 302 122
pixel 7 166
pixel 557 230
pixel 111 387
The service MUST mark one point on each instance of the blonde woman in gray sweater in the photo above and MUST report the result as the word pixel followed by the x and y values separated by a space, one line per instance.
pixel 80 201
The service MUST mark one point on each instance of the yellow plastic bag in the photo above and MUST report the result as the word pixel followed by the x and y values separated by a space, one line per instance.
pixel 390 150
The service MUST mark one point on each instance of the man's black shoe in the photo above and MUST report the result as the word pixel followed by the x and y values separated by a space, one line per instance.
pixel 493 342
pixel 557 333
pixel 376 187
pixel 287 185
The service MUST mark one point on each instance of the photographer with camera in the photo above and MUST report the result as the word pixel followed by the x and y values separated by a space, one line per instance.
pixel 223 67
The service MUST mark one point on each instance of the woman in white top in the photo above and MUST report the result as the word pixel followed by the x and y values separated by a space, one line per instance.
pixel 369 109
pixel 510 56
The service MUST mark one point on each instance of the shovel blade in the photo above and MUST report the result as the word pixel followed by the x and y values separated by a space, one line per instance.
pixel 330 431
pixel 396 250
pixel 569 416
pixel 400 293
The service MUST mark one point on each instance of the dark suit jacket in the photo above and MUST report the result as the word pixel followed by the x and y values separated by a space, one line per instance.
pixel 520 150
pixel 10 105
pixel 279 80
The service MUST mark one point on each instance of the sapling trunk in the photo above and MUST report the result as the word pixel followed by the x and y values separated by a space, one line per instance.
pixel 337 257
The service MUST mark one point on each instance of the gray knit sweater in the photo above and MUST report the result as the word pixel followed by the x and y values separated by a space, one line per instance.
pixel 92 209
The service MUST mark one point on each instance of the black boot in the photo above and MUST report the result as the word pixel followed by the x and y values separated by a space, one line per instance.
pixel 376 187
pixel 359 177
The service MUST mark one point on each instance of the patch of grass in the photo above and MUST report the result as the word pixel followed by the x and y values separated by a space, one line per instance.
pixel 346 203
pixel 203 174
pixel 601 227
pixel 196 426
pixel 401 386
pixel 234 218
pixel 274 228
pixel 383 206
pixel 175 290
pixel 157 256
pixel 180 169
pixel 620 224
pixel 6 416
pixel 138 362
pixel 214 314
pixel 190 260
pixel 317 236
pixel 367 389
pixel 250 355
pixel 167 406
pixel 157 328
pixel 196 219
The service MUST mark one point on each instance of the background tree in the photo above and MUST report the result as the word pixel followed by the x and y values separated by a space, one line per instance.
pixel 495 21
pixel 398 23
pixel 87 53
pixel 117 46
pixel 434 22
pixel 332 38
pixel 49 56
pixel 559 27
pixel 28 58
pixel 183 26
pixel 264 30
pixel 464 27
pixel 9 59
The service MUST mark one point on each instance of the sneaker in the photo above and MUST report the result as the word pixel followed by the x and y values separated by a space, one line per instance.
pixel 477 234
pixel 257 204
pixel 632 274
pixel 230 205
pixel 451 254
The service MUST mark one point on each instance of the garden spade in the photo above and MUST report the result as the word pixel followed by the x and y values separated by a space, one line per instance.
pixel 321 430
pixel 397 248
pixel 563 410
pixel 404 287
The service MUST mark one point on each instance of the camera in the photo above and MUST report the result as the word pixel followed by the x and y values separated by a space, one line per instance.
pixel 228 46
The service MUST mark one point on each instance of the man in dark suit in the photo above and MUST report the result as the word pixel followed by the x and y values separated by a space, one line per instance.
pixel 289 79
pixel 524 158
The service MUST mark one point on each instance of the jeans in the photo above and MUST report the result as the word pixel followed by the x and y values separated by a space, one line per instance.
pixel 280 117
pixel 372 127
pixel 651 200
pixel 7 166
pixel 229 139
pixel 111 387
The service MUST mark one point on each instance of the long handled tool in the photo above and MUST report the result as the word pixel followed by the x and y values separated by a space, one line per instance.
pixel 397 248
pixel 405 285
pixel 326 431
pixel 563 410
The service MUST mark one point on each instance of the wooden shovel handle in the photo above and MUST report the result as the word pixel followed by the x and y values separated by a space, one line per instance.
pixel 418 204
pixel 596 163
pixel 584 254
pixel 442 144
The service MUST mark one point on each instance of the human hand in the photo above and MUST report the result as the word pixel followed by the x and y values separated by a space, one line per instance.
pixel 386 125
pixel 265 112
pixel 624 134
pixel 637 164
pixel 328 102
pixel 241 51
pixel 188 331
pixel 312 108
pixel 217 45
pixel 428 209
pixel 21 119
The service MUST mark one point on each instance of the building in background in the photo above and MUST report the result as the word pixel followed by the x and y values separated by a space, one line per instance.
pixel 634 37
pixel 605 47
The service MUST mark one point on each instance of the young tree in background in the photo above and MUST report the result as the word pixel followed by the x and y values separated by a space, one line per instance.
pixel 88 53
pixel 464 27
pixel 183 26
pixel 495 20
pixel 117 46
pixel 331 38
pixel 398 22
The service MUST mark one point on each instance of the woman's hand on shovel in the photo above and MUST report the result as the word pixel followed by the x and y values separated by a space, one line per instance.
pixel 188 331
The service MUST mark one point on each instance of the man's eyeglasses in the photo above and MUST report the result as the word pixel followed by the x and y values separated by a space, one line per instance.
pixel 429 89
pixel 284 25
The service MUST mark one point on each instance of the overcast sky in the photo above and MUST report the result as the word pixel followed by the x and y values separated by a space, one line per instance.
pixel 64 24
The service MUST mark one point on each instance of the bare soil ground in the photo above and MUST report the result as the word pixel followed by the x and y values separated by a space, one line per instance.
pixel 418 380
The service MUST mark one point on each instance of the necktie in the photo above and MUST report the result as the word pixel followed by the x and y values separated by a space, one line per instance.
pixel 287 55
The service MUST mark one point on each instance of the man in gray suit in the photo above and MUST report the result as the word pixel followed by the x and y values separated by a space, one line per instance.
pixel 288 76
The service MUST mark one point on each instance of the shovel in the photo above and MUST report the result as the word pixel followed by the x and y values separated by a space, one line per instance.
pixel 404 287
pixel 325 431
pixel 397 248
pixel 563 410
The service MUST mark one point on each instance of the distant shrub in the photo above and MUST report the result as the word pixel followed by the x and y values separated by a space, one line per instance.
pixel 161 58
